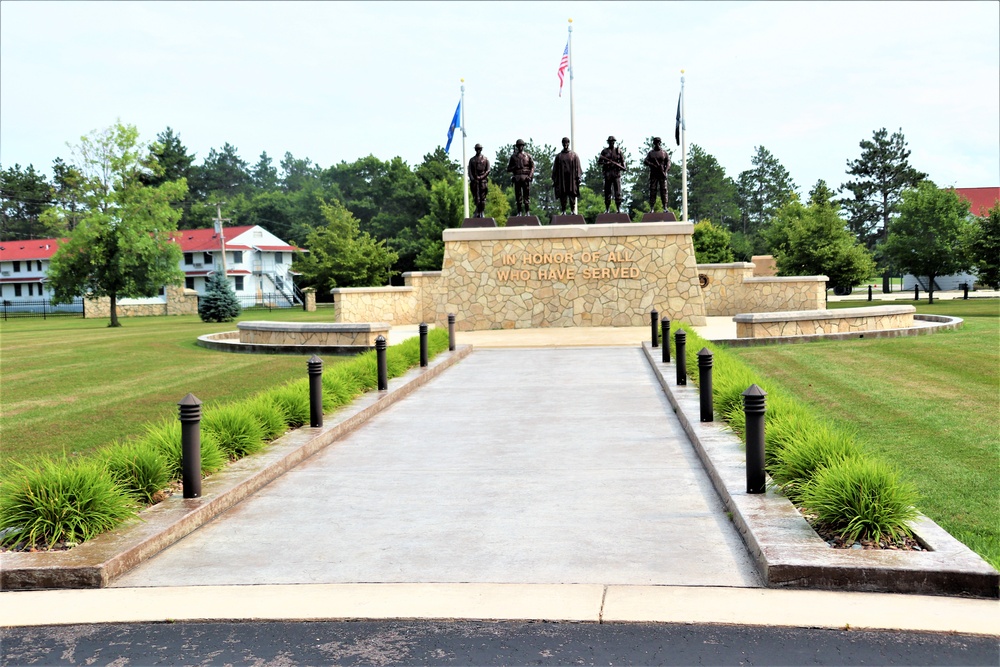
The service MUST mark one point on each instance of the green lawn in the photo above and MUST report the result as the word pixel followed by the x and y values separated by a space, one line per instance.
pixel 930 404
pixel 72 385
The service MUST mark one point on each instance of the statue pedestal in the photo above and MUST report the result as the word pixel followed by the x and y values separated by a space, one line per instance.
pixel 612 218
pixel 570 219
pixel 664 216
pixel 478 222
pixel 523 221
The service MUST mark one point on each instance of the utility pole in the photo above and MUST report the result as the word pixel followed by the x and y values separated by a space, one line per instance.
pixel 222 236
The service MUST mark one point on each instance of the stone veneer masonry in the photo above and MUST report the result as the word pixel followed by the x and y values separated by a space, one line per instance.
pixel 572 275
pixel 807 322
pixel 312 333
pixel 178 301
pixel 733 288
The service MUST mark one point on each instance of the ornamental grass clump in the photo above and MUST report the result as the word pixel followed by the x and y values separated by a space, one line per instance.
pixel 806 453
pixel 138 467
pixel 293 400
pixel 235 428
pixel 269 414
pixel 165 436
pixel 61 501
pixel 861 499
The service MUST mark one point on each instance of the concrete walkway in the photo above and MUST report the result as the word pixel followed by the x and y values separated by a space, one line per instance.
pixel 540 466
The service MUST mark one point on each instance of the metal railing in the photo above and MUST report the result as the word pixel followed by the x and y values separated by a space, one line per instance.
pixel 44 308
pixel 266 301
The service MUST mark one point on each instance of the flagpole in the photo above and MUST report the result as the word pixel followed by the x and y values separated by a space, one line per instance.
pixel 684 157
pixel 572 117
pixel 465 176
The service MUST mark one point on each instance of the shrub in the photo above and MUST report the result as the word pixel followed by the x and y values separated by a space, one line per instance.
pixel 218 303
pixel 61 500
pixel 166 437
pixel 235 428
pixel 861 499
pixel 293 400
pixel 269 414
pixel 139 467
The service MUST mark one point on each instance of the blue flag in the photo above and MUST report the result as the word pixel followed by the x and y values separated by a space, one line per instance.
pixel 455 122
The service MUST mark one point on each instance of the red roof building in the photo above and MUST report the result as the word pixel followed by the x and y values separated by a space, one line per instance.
pixel 256 262
pixel 981 200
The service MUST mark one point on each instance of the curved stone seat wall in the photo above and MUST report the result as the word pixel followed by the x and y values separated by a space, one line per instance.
pixel 808 322
pixel 361 334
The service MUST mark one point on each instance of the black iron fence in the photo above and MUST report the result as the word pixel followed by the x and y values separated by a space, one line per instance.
pixel 267 301
pixel 44 308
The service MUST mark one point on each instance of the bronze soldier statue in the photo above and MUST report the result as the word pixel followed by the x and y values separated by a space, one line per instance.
pixel 479 171
pixel 658 161
pixel 566 173
pixel 523 168
pixel 612 164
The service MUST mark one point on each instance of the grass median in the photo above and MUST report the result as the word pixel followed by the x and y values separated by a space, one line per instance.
pixel 73 385
pixel 929 404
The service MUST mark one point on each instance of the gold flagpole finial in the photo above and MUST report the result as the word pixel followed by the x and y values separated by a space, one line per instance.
pixel 571 20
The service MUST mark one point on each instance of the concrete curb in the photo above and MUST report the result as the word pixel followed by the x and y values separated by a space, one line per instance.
pixel 580 603
pixel 97 563
pixel 788 551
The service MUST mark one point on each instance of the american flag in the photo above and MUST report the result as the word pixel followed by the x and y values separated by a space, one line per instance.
pixel 563 66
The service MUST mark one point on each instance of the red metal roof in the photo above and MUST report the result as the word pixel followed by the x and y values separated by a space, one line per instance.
pixel 195 240
pixel 21 250
pixel 981 200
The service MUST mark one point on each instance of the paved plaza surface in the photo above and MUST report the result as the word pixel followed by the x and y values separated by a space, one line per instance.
pixel 526 466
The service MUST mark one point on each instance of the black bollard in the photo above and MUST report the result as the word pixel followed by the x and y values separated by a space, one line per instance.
pixel 916 292
pixel 665 325
pixel 965 291
pixel 190 415
pixel 423 344
pixel 451 332
pixel 383 367
pixel 705 384
pixel 754 406
pixel 315 366
pixel 680 342
pixel 869 292
pixel 654 326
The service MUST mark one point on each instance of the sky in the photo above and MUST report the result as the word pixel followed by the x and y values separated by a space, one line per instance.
pixel 336 81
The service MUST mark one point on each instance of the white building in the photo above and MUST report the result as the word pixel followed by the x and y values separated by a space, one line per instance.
pixel 257 263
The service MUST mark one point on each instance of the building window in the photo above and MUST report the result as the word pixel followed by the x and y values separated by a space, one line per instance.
pixel 278 259
pixel 208 257
pixel 237 257
pixel 239 283
pixel 189 283
pixel 17 289
pixel 31 290
pixel 163 290
pixel 39 262
pixel 187 258
pixel 17 267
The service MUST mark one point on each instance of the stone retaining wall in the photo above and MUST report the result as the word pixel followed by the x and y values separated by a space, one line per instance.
pixel 768 295
pixel 395 305
pixel 429 289
pixel 177 300
pixel 804 323
pixel 723 286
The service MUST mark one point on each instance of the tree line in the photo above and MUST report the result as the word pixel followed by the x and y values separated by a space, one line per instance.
pixel 367 221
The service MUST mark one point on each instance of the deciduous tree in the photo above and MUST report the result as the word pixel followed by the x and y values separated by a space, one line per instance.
pixel 931 235
pixel 123 245
pixel 985 248
pixel 341 255
pixel 711 243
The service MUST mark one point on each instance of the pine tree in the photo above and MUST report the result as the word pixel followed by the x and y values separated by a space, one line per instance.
pixel 219 303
